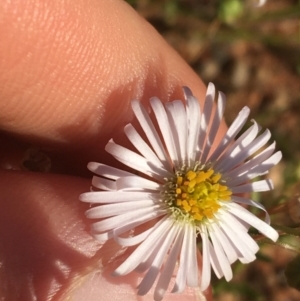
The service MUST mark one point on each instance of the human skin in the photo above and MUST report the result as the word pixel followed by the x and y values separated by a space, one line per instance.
pixel 68 71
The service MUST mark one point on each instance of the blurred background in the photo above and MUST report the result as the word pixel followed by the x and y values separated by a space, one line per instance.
pixel 252 54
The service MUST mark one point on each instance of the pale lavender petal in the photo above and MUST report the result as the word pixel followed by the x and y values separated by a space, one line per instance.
pixel 238 146
pixel 135 161
pixel 254 146
pixel 149 257
pixel 244 201
pixel 192 276
pixel 221 257
pixel 163 122
pixel 130 241
pixel 194 119
pixel 104 197
pixel 187 92
pixel 263 185
pixel 107 171
pixel 168 268
pixel 151 133
pixel 104 184
pixel 239 228
pixel 117 209
pixel 255 161
pixel 256 171
pixel 214 261
pixel 244 256
pixel 206 115
pixel 177 116
pixel 136 183
pixel 231 133
pixel 146 262
pixel 102 237
pixel 206 268
pixel 152 273
pixel 138 142
pixel 214 126
pixel 224 242
pixel 239 238
pixel 115 221
pixel 180 281
pixel 140 252
pixel 254 221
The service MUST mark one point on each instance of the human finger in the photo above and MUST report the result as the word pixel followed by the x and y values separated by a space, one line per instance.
pixel 69 70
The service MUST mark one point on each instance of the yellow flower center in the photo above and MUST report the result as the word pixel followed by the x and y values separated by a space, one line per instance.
pixel 198 193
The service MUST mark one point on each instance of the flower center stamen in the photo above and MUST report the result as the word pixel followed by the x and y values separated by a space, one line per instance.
pixel 198 193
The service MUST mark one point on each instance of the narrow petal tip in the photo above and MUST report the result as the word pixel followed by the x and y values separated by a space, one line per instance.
pixel 187 92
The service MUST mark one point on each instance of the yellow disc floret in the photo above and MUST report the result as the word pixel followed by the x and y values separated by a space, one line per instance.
pixel 198 193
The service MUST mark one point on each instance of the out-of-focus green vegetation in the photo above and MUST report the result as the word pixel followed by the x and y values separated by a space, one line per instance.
pixel 253 55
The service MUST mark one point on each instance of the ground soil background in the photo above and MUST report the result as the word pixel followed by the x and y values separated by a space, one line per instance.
pixel 252 54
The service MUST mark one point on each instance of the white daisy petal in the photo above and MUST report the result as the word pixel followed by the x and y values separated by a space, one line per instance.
pixel 194 119
pixel 238 228
pixel 133 240
pixel 150 131
pixel 192 276
pixel 254 221
pixel 180 281
pixel 104 197
pixel 107 171
pixel 139 253
pixel 239 238
pixel 238 146
pixel 220 256
pixel 231 133
pixel 215 125
pixel 102 237
pixel 113 222
pixel 135 161
pixel 163 122
pixel 206 270
pixel 214 261
pixel 255 161
pixel 263 185
pixel 256 171
pixel 116 209
pixel 146 262
pixel 152 273
pixel 138 142
pixel 177 116
pixel 104 184
pixel 206 115
pixel 168 269
pixel 243 253
pixel 136 183
pixel 244 201
pixel 246 152
pixel 182 195
pixel 225 243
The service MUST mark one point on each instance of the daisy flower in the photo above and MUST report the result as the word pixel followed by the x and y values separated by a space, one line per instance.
pixel 182 197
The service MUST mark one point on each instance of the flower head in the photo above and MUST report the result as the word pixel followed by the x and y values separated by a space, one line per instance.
pixel 182 195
